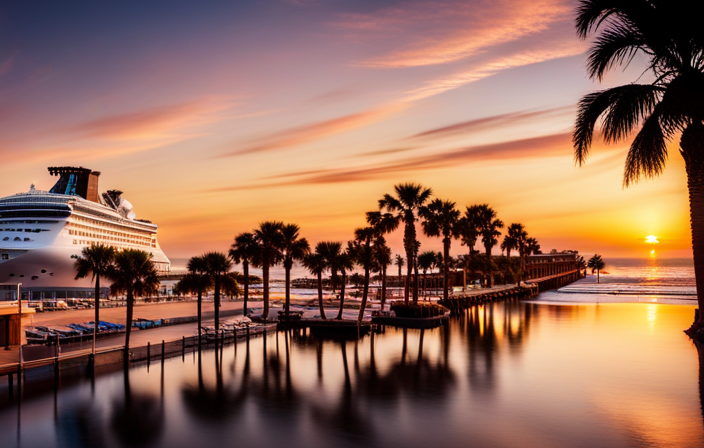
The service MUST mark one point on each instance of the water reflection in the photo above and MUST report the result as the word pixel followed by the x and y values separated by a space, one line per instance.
pixel 510 374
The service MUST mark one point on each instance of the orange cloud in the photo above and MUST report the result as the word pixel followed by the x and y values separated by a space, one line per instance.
pixel 452 31
pixel 315 131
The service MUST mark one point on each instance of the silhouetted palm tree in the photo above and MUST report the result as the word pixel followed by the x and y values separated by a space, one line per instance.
pixel 134 275
pixel 268 238
pixel 315 262
pixel 360 250
pixel 341 262
pixel 382 261
pixel 244 250
pixel 468 233
pixel 669 34
pixel 489 227
pixel 409 199
pixel 196 281
pixel 217 267
pixel 441 219
pixel 96 260
pixel 399 262
pixel 426 262
pixel 293 248
pixel 596 264
pixel 515 238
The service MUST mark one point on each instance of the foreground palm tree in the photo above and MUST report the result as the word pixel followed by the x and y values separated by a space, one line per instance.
pixel 489 227
pixel 404 205
pixel 316 263
pixel 399 262
pixel 426 262
pixel 468 233
pixel 244 250
pixel 217 267
pixel 268 238
pixel 196 281
pixel 360 249
pixel 669 34
pixel 293 248
pixel 515 238
pixel 596 264
pixel 440 219
pixel 342 263
pixel 382 261
pixel 96 260
pixel 135 276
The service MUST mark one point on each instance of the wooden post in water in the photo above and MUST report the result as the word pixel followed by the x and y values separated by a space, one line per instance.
pixel 183 348
pixel 163 354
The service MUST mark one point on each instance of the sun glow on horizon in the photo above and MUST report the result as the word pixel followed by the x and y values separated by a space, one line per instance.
pixel 651 239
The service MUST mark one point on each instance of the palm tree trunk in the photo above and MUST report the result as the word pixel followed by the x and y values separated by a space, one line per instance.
pixel 416 281
pixel 217 305
pixel 128 325
pixel 342 295
pixel 692 150
pixel 489 279
pixel 287 302
pixel 365 293
pixel 383 287
pixel 446 268
pixel 265 292
pixel 409 239
pixel 200 311
pixel 245 266
pixel 320 295
pixel 97 312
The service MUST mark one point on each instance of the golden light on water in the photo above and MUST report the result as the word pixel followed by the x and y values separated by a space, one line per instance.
pixel 651 239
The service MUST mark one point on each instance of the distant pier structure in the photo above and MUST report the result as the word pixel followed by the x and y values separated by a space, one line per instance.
pixel 553 270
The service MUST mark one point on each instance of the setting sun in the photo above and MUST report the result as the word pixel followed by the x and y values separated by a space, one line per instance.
pixel 651 239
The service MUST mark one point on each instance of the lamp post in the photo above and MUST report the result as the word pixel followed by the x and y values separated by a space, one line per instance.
pixel 19 324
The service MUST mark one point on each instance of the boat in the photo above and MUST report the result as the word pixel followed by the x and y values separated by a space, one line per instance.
pixel 42 231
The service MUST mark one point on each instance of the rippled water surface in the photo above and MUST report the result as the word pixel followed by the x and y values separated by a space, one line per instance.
pixel 503 375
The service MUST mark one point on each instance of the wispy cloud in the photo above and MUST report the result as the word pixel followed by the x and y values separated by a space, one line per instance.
pixel 494 122
pixel 545 146
pixel 314 131
pixel 440 32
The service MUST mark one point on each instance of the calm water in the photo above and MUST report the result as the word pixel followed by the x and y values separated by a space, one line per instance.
pixel 544 374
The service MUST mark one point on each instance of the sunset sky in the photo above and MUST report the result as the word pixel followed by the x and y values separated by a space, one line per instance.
pixel 214 116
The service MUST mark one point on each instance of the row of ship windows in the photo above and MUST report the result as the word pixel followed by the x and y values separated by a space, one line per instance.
pixel 28 222
pixel 144 236
pixel 121 238
pixel 7 238
pixel 26 230
pixel 95 223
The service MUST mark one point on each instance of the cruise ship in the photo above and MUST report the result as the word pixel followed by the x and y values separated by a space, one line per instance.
pixel 41 230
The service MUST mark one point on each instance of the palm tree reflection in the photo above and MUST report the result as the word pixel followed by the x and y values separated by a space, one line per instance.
pixel 138 419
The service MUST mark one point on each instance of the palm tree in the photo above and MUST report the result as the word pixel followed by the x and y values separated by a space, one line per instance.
pixel 426 262
pixel 134 275
pixel 217 267
pixel 400 262
pixel 293 248
pixel 669 34
pixel 360 249
pixel 489 227
pixel 382 261
pixel 515 237
pixel 196 281
pixel 269 239
pixel 596 264
pixel 244 250
pixel 341 262
pixel 468 233
pixel 98 261
pixel 315 262
pixel 409 199
pixel 440 219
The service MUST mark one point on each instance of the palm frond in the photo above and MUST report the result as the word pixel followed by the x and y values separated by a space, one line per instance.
pixel 648 152
pixel 614 46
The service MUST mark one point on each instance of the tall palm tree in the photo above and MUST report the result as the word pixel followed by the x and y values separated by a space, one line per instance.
pixel 596 264
pixel 669 34
pixel 341 262
pixel 196 281
pixel 468 233
pixel 515 238
pixel 329 250
pixel 244 250
pixel 269 239
pixel 440 219
pixel 293 248
pixel 489 227
pixel 360 249
pixel 404 205
pixel 399 262
pixel 96 260
pixel 426 261
pixel 316 263
pixel 217 267
pixel 382 261
pixel 134 275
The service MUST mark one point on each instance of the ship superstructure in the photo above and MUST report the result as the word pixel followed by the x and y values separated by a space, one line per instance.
pixel 41 230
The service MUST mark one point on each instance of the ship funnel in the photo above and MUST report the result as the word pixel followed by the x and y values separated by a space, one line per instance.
pixel 77 181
